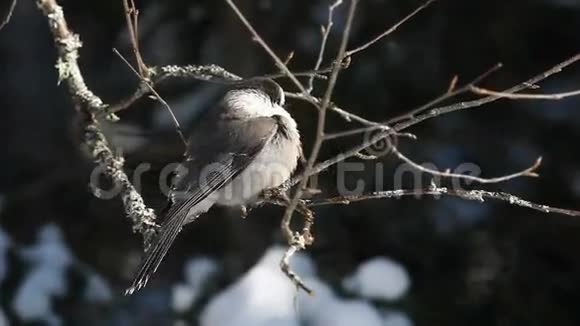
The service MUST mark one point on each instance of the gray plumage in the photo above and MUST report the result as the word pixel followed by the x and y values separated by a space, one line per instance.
pixel 247 144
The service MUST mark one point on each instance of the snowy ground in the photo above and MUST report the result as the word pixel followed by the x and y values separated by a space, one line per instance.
pixel 264 296
pixel 261 297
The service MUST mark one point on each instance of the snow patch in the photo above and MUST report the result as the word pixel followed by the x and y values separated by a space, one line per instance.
pixel 263 296
pixel 379 278
pixel 50 259
pixel 199 270
pixel 50 249
pixel 182 297
pixel 5 243
pixel 311 305
pixel 197 273
pixel 346 313
pixel 396 318
pixel 3 319
pixel 97 290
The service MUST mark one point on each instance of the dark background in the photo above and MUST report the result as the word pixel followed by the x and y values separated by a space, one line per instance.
pixel 530 259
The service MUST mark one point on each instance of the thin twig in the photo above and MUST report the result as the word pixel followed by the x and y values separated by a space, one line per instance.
pixel 449 94
pixel 388 31
pixel 8 14
pixel 325 31
pixel 476 195
pixel 279 63
pixel 352 132
pixel 144 73
pixel 522 96
pixel 371 125
pixel 346 115
pixel 453 84
pixel 488 99
pixel 158 98
pixel 528 172
pixel 131 16
pixel 316 74
pixel 289 58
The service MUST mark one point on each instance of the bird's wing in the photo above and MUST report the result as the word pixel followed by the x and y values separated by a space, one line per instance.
pixel 230 151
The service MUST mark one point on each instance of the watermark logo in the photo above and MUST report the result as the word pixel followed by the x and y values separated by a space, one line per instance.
pixel 381 141
pixel 177 181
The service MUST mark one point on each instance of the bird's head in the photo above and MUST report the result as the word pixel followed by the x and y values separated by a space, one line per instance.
pixel 256 97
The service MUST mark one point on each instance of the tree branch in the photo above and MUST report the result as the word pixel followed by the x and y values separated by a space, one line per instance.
pixel 90 106
pixel 522 96
pixel 476 195
pixel 425 113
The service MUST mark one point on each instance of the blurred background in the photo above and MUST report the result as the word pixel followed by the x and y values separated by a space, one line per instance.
pixel 66 256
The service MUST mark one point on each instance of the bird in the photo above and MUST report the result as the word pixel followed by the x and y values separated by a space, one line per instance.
pixel 246 144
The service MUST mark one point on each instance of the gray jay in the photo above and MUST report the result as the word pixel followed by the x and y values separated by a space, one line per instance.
pixel 243 146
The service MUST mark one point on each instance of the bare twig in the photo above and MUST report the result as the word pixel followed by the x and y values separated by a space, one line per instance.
pixel 89 106
pixel 158 98
pixel 528 172
pixel 348 116
pixel 325 31
pixel 159 74
pixel 279 63
pixel 422 115
pixel 321 123
pixel 522 96
pixel 279 197
pixel 477 195
pixel 6 19
pixel 285 265
pixel 289 58
pixel 409 115
pixel 388 31
pixel 132 18
pixel 212 73
pixel 356 152
pixel 488 99
pixel 449 94
pixel 316 74
pixel 371 125
pixel 144 73
pixel 453 84
pixel 378 126
pixel 320 129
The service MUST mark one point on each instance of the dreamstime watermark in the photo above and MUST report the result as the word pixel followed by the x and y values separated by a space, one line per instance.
pixel 419 179
pixel 352 179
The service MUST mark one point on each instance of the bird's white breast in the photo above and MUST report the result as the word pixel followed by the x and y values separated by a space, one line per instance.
pixel 271 167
